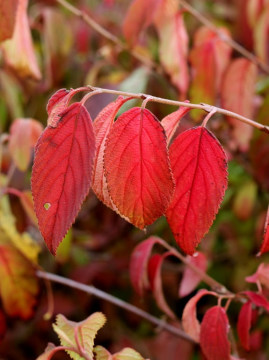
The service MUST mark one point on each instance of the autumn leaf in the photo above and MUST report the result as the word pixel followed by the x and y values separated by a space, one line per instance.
pixel 260 276
pixel 139 264
pixel 24 134
pixel 102 125
pixel 257 299
pixel 244 324
pixel 214 334
pixel 137 167
pixel 84 331
pixel 19 285
pixel 265 244
pixel 190 322
pixel 101 353
pixel 171 122
pixel 237 93
pixel 191 279
pixel 61 176
pixel 173 49
pixel 260 34
pixel 154 274
pixel 127 354
pixel 18 52
pixel 8 16
pixel 199 167
pixel 139 16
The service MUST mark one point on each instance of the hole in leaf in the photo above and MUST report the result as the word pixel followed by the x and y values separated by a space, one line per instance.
pixel 47 206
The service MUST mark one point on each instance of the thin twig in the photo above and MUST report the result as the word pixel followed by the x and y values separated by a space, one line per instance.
pixel 206 107
pixel 118 302
pixel 239 48
pixel 105 33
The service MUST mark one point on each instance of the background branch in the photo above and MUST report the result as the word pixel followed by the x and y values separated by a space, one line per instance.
pixel 118 302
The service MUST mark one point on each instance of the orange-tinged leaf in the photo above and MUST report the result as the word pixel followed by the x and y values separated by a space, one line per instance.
pixel 209 58
pixel 139 16
pixel 139 264
pixel 253 10
pixel 155 277
pixel 19 285
pixel 191 279
pixel 18 51
pixel 101 353
pixel 199 167
pixel 86 331
pixel 190 322
pixel 214 334
pixel 244 324
pixel 237 93
pixel 61 176
pixel 24 134
pixel 127 354
pixel 171 122
pixel 102 125
pixel 8 16
pixel 137 167
pixel 265 244
pixel 173 50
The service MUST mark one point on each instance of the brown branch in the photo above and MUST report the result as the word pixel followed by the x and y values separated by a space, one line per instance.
pixel 239 48
pixel 113 300
pixel 105 33
pixel 206 107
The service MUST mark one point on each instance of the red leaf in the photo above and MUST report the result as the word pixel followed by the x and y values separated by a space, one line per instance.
pixel 24 134
pixel 18 52
pixel 261 275
pixel 257 299
pixel 173 49
pixel 213 338
pixel 200 170
pixel 190 323
pixel 7 15
pixel 139 16
pixel 265 244
pixel 61 175
pixel 102 125
pixel 139 264
pixel 244 324
pixel 171 121
pixel 237 93
pixel 137 167
pixel 154 272
pixel 190 278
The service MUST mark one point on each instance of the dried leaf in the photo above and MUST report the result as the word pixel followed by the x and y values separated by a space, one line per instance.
pixel 61 176
pixel 139 264
pixel 137 167
pixel 199 167
pixel 191 279
pixel 237 93
pixel 213 337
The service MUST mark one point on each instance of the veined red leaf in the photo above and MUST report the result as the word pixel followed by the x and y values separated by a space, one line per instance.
pixel 155 277
pixel 257 299
pixel 190 323
pixel 102 125
pixel 61 175
pixel 137 167
pixel 190 278
pixel 173 50
pixel 199 167
pixel 265 244
pixel 18 52
pixel 139 16
pixel 139 264
pixel 19 285
pixel 24 134
pixel 171 121
pixel 244 324
pixel 8 15
pixel 214 334
pixel 237 93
